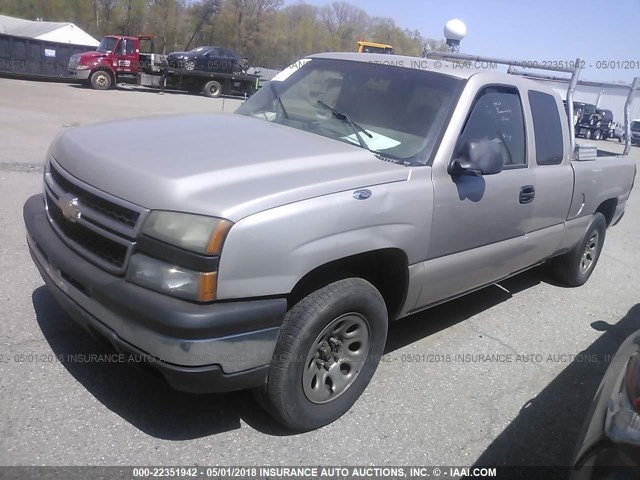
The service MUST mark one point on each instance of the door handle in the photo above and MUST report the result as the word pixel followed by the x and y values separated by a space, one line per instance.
pixel 527 193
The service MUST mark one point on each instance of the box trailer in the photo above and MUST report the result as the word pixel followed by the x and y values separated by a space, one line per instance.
pixel 30 57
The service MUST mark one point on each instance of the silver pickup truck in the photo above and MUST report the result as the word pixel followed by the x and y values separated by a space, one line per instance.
pixel 269 249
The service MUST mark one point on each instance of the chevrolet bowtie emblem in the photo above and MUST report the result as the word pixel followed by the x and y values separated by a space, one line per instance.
pixel 69 207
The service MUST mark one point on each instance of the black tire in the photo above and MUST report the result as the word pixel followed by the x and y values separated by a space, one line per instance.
pixel 571 268
pixel 587 134
pixel 212 89
pixel 297 357
pixel 101 80
pixel 597 135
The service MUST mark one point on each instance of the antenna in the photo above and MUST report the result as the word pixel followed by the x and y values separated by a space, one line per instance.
pixel 454 31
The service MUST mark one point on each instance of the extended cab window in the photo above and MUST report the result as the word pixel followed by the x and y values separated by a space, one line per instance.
pixel 547 128
pixel 497 115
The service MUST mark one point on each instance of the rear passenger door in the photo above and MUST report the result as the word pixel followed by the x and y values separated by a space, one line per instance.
pixel 553 174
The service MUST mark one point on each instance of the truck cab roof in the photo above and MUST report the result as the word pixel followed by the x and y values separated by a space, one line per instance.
pixel 459 69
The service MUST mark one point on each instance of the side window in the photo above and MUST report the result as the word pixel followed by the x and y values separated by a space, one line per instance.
pixel 497 115
pixel 546 128
pixel 130 44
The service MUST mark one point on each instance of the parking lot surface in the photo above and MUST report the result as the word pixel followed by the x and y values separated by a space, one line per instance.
pixel 503 376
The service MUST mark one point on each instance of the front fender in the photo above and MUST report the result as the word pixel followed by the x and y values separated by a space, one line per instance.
pixel 269 252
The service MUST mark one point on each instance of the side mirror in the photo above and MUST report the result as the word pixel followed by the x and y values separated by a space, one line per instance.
pixel 480 157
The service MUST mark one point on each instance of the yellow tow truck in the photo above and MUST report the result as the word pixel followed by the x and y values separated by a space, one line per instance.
pixel 372 47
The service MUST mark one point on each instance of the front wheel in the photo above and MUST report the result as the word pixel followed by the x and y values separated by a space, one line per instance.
pixel 329 348
pixel 576 266
pixel 597 135
pixel 100 80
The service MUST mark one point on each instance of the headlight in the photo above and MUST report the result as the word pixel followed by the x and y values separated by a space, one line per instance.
pixel 632 381
pixel 197 233
pixel 170 279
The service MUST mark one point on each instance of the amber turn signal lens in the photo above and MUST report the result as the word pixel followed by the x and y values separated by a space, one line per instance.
pixel 207 286
pixel 218 236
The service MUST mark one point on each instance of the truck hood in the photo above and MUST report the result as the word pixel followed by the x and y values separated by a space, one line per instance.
pixel 223 165
pixel 88 57
pixel 180 55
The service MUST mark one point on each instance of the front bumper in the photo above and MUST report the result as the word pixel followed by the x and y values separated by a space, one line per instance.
pixel 80 74
pixel 196 347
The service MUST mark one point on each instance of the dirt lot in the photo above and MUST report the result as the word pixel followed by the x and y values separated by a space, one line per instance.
pixel 422 408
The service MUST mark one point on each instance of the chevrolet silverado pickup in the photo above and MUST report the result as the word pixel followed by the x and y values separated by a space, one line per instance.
pixel 269 249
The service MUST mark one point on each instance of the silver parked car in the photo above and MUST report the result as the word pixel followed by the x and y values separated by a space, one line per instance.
pixel 353 190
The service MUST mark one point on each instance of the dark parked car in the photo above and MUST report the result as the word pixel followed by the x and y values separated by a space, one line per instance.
pixel 593 122
pixel 609 445
pixel 604 122
pixel 209 59
pixel 635 132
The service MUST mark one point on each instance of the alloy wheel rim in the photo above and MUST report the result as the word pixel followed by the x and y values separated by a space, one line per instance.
pixel 589 254
pixel 336 358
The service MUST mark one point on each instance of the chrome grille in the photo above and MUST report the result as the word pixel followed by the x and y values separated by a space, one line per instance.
pixel 111 252
pixel 116 212
pixel 98 226
pixel 74 61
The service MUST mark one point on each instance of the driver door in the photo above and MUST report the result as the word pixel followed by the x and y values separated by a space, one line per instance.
pixel 127 56
pixel 480 222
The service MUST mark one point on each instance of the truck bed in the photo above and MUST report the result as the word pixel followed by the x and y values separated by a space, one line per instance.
pixel 610 175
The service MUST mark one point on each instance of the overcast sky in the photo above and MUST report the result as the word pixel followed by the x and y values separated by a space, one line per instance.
pixel 539 30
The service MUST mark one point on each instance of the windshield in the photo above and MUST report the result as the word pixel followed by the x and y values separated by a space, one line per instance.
pixel 635 126
pixel 398 113
pixel 370 49
pixel 589 109
pixel 200 49
pixel 107 45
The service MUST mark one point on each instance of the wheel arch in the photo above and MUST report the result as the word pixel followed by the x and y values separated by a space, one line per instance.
pixel 608 209
pixel 386 269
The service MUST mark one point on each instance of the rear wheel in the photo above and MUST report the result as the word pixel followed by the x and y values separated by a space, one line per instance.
pixel 328 350
pixel 597 135
pixel 576 266
pixel 100 80
pixel 212 89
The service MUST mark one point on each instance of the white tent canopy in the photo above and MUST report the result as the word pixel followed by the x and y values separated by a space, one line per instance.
pixel 63 32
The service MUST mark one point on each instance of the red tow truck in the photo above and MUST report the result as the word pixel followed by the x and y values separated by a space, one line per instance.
pixel 122 58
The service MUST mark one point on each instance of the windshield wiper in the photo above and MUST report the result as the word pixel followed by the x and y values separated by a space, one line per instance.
pixel 277 97
pixel 345 118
